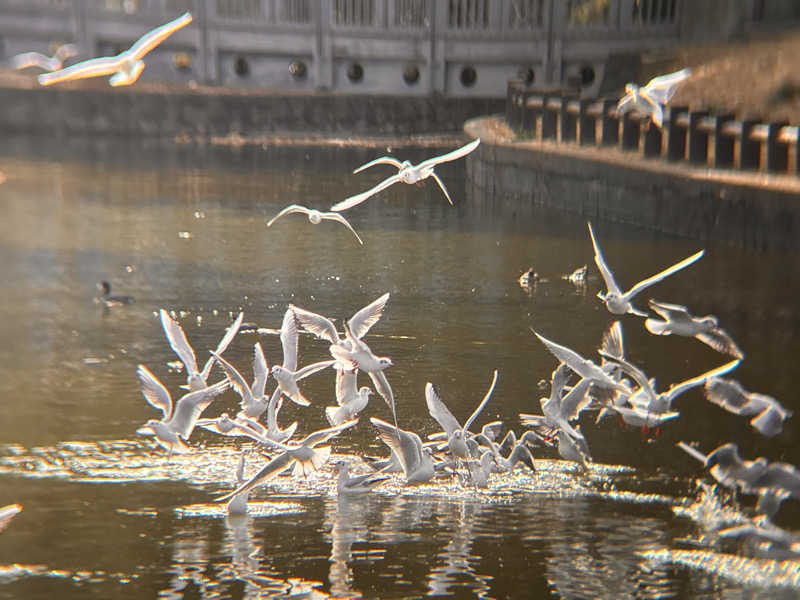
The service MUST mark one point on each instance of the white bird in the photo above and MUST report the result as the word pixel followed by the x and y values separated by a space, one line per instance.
pixel 46 63
pixel 238 504
pixel 7 513
pixel 315 216
pixel 456 434
pixel 253 401
pixel 407 173
pixel 728 394
pixel 648 100
pixel 234 427
pixel 678 320
pixel 359 484
pixel 304 454
pixel 195 379
pixel 413 457
pixel 351 400
pixel 177 421
pixel 126 66
pixel 618 302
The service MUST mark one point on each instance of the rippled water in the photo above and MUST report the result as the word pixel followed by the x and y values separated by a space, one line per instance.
pixel 106 515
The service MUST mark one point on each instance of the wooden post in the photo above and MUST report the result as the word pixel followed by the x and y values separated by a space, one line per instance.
pixel 587 124
pixel 721 146
pixel 528 114
pixel 629 134
pixel 548 124
pixel 566 120
pixel 749 151
pixel 609 125
pixel 777 154
pixel 696 139
pixel 650 140
pixel 674 136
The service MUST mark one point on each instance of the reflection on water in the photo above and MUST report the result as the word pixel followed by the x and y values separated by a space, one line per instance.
pixel 106 514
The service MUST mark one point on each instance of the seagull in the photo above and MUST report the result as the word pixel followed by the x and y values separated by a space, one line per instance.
pixel 46 63
pixel 234 427
pixel 7 513
pixel 407 173
pixel 518 454
pixel 108 300
pixel 618 302
pixel 360 484
pixel 456 434
pixel 304 454
pixel 649 99
pixel 677 320
pixel 177 422
pixel 413 457
pixel 195 379
pixel 647 399
pixel 254 404
pixel 315 217
pixel 287 375
pixel 480 470
pixel 582 366
pixel 351 400
pixel 126 66
pixel 769 413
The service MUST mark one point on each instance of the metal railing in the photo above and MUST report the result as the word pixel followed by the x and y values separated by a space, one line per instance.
pixel 716 141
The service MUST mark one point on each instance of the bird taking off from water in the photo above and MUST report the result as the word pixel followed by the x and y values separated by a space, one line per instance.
pixel 126 66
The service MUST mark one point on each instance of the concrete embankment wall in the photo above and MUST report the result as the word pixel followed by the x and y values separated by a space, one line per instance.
pixel 514 177
pixel 151 111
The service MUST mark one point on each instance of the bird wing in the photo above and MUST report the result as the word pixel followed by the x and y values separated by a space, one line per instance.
pixel 313 368
pixel 31 59
pixel 260 371
pixel 439 410
pixel 334 216
pixel 693 452
pixel 289 340
pixel 292 208
pixel 663 87
pixel 719 340
pixel 321 327
pixel 383 160
pixel 359 198
pixel 361 322
pixel 454 155
pixel 236 381
pixel 613 343
pixel 671 312
pixel 269 471
pixel 483 403
pixel 223 345
pixel 406 445
pixel 677 389
pixel 154 392
pixel 153 38
pixel 178 342
pixel 664 274
pixel 7 513
pixel 66 51
pixel 626 104
pixel 384 389
pixel 576 400
pixel 729 395
pixel 442 187
pixel 323 435
pixel 189 408
pixel 94 67
pixel 608 276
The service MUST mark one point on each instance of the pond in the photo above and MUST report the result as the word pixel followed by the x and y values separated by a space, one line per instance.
pixel 106 513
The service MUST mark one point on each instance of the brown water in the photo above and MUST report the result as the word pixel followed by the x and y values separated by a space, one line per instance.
pixel 105 515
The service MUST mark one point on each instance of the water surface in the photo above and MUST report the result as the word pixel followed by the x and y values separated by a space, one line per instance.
pixel 105 514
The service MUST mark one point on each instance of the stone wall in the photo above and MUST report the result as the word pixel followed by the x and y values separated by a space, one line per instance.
pixel 516 177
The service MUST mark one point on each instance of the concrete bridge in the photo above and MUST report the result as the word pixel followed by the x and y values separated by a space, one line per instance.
pixel 449 48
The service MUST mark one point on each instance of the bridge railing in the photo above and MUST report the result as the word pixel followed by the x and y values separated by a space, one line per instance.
pixel 695 137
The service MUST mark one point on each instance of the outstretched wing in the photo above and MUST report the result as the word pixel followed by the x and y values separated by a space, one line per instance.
pixel 272 469
pixel 237 382
pixel 153 38
pixel 223 344
pixel 608 276
pixel 406 445
pixel 340 219
pixel 289 340
pixel 292 208
pixel 383 160
pixel 676 390
pixel 478 410
pixel 153 391
pixel 260 371
pixel 361 322
pixel 454 155
pixel 189 408
pixel 359 198
pixel 94 67
pixel 323 435
pixel 664 274
pixel 662 88
pixel 439 411
pixel 178 342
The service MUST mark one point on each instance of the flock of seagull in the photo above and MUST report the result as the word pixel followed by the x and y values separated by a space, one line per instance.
pixel 612 385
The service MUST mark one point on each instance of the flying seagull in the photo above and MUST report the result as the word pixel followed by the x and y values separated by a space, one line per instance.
pixel 649 99
pixel 315 216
